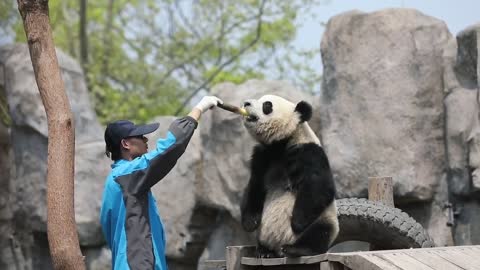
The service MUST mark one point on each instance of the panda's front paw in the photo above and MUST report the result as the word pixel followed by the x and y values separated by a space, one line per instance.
pixel 297 226
pixel 289 251
pixel 293 251
pixel 263 252
pixel 251 222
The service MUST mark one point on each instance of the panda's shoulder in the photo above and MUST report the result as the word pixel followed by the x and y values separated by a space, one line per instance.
pixel 310 147
pixel 271 151
pixel 310 151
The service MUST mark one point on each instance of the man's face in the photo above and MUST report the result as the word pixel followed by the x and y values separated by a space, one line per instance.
pixel 136 146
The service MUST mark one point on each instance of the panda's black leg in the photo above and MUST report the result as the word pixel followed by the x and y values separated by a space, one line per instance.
pixel 264 252
pixel 314 240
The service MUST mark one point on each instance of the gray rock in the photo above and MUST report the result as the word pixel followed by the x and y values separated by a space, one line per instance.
pixel 29 149
pixel 228 146
pixel 228 233
pixel 433 216
pixel 29 127
pixel 26 107
pixel 98 258
pixel 466 66
pixel 91 169
pixel 463 135
pixel 7 254
pixel 175 194
pixel 462 114
pixel 381 103
pixel 462 140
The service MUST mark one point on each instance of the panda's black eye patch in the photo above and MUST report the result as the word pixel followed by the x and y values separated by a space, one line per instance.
pixel 267 107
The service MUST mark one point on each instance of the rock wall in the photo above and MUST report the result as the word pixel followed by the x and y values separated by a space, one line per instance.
pixel 399 98
pixel 463 134
pixel 382 104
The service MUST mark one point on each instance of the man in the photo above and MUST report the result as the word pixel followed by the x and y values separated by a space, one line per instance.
pixel 129 217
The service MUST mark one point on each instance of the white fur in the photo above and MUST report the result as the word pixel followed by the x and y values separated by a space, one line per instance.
pixel 303 134
pixel 330 215
pixel 275 229
pixel 272 127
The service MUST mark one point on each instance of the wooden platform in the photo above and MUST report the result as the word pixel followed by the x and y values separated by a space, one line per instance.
pixel 442 258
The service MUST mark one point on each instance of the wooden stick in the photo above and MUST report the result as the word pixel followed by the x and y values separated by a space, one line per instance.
pixel 380 189
pixel 233 109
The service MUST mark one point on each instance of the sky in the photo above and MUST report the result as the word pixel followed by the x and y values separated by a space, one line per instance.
pixel 457 14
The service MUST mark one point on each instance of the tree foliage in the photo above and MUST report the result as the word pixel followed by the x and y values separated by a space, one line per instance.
pixel 151 57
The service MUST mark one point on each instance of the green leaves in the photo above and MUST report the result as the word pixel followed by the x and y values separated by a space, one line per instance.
pixel 149 57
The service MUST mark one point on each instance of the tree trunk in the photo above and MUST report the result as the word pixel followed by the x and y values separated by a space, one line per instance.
pixel 61 227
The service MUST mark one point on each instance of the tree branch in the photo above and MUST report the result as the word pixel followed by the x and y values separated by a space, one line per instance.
pixel 185 20
pixel 229 61
pixel 107 39
pixel 83 35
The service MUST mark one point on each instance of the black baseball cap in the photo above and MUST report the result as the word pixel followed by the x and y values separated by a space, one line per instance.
pixel 121 129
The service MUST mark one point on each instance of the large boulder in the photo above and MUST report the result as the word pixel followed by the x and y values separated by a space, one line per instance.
pixel 6 163
pixel 462 134
pixel 462 113
pixel 381 104
pixel 91 169
pixel 175 194
pixel 29 149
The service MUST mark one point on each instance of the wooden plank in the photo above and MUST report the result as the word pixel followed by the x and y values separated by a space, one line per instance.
pixel 234 256
pixel 332 266
pixel 414 250
pixel 404 261
pixel 214 264
pixel 444 258
pixel 462 262
pixel 379 262
pixel 380 189
pixel 472 252
pixel 433 260
pixel 356 262
pixel 284 260
pixel 466 254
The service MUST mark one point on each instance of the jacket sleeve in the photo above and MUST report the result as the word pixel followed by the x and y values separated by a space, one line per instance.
pixel 159 162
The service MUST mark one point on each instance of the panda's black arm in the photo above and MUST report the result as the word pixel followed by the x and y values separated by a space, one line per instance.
pixel 254 196
pixel 309 171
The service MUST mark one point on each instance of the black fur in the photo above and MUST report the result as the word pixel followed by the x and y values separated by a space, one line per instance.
pixel 314 240
pixel 305 111
pixel 264 252
pixel 254 196
pixel 309 170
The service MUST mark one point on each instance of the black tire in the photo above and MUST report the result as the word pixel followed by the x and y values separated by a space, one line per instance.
pixel 382 226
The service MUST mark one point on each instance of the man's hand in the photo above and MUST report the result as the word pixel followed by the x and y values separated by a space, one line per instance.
pixel 208 102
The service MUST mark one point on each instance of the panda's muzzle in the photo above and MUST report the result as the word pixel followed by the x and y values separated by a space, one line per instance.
pixel 252 118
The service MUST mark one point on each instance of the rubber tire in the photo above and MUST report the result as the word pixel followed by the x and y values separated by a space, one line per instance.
pixel 382 226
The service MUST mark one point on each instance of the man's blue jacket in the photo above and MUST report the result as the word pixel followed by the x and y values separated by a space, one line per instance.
pixel 130 221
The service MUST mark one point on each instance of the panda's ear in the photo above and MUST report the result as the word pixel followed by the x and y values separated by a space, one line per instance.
pixel 304 110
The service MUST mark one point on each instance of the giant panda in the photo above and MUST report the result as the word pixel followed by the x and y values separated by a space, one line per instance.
pixel 290 197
